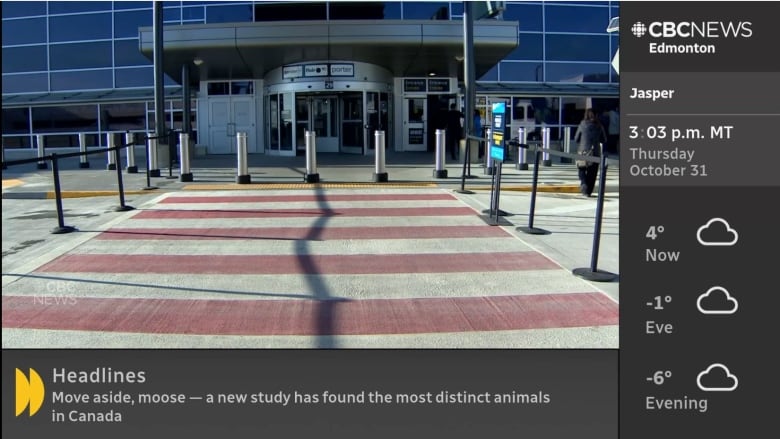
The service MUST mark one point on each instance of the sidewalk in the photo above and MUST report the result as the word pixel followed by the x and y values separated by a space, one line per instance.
pixel 281 264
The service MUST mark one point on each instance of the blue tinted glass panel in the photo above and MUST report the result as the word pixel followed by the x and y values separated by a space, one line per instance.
pixel 172 14
pixel 529 16
pixel 86 80
pixel 576 19
pixel 132 5
pixel 140 77
pixel 80 55
pixel 25 83
pixel 24 59
pixel 126 53
pixel 615 12
pixel 126 24
pixel 80 27
pixel 586 2
pixel 228 14
pixel 16 120
pixel 70 118
pixel 23 9
pixel 71 6
pixel 531 47
pixel 582 72
pixel 456 8
pixel 424 10
pixel 578 48
pixel 491 75
pixel 615 44
pixel 168 81
pixel 392 11
pixel 29 31
pixel 521 71
pixel 196 13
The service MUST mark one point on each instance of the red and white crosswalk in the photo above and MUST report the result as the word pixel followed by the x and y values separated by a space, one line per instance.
pixel 274 266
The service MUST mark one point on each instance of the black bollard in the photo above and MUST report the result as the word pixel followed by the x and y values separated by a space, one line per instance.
pixel 593 273
pixel 61 227
pixel 122 206
pixel 531 230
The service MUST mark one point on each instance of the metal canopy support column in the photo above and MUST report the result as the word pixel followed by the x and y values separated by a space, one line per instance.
pixel 159 97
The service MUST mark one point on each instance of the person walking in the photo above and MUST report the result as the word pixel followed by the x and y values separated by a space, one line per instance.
pixel 613 131
pixel 590 137
pixel 454 131
pixel 477 126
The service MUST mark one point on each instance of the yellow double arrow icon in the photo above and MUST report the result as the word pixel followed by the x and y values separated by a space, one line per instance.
pixel 28 392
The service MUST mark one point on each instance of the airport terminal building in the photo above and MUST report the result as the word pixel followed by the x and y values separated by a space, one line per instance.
pixel 278 69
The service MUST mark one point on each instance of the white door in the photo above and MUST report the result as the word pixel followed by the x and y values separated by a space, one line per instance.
pixel 227 116
pixel 415 124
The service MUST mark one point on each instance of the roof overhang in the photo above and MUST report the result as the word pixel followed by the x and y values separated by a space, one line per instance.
pixel 87 97
pixel 405 47
pixel 584 89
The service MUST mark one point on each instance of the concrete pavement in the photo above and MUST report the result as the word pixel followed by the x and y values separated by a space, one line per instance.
pixel 376 266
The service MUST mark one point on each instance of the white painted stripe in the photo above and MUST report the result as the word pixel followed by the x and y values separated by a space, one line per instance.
pixel 600 337
pixel 333 221
pixel 292 286
pixel 244 247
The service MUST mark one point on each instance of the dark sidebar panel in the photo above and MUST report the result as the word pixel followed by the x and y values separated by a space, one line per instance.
pixel 700 147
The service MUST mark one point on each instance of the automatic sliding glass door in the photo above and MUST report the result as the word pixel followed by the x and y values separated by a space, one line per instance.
pixel 352 128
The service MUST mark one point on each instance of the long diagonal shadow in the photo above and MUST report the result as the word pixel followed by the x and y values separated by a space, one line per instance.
pixel 325 305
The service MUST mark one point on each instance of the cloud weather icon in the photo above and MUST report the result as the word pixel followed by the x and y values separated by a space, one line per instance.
pixel 717 234
pixel 717 378
pixel 717 300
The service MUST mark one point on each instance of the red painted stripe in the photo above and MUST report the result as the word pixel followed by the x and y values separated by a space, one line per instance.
pixel 308 233
pixel 314 213
pixel 299 264
pixel 300 198
pixel 310 317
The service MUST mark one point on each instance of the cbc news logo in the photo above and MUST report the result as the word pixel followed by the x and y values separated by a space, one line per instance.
pixel 639 29
pixel 29 392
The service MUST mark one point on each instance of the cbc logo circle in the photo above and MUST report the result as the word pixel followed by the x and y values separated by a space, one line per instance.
pixel 639 29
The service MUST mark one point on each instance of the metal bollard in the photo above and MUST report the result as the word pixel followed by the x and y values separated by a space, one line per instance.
pixel 242 174
pixel 380 173
pixel 311 158
pixel 185 173
pixel 41 152
pixel 490 165
pixel 83 162
pixel 151 157
pixel 546 145
pixel 441 140
pixel 567 146
pixel 131 167
pixel 522 138
pixel 110 144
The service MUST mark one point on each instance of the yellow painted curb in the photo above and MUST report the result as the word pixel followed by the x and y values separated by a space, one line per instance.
pixel 12 182
pixel 568 189
pixel 265 186
pixel 87 194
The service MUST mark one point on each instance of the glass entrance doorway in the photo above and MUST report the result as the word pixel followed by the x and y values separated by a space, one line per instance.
pixel 317 113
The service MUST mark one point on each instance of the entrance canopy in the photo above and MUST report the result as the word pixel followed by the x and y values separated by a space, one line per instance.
pixel 405 47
